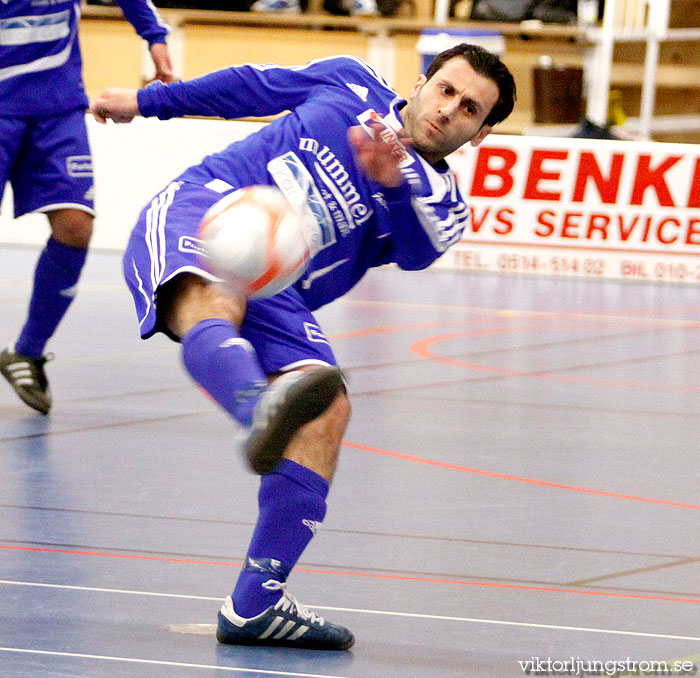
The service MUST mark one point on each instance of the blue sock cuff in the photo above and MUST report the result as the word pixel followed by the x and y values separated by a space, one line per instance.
pixel 66 256
pixel 206 324
pixel 303 476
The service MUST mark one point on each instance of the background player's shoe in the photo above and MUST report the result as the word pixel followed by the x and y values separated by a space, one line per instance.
pixel 285 623
pixel 292 400
pixel 277 6
pixel 362 7
pixel 27 377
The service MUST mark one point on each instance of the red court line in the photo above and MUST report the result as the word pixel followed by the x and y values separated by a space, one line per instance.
pixel 366 575
pixel 518 479
pixel 422 348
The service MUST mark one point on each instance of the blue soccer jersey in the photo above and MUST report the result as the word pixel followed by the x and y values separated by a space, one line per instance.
pixel 359 223
pixel 40 64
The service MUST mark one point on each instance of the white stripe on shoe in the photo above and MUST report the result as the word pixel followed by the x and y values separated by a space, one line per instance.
pixel 289 626
pixel 298 633
pixel 271 628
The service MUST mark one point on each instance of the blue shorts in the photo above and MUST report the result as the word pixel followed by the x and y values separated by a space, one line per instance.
pixel 47 160
pixel 163 244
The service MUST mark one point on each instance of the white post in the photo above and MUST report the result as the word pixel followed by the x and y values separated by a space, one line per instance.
pixel 598 66
pixel 656 29
pixel 381 54
pixel 442 11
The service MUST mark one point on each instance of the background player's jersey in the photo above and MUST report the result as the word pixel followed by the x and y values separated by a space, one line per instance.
pixel 40 65
pixel 359 223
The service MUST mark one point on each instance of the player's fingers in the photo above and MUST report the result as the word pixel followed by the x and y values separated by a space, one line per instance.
pixel 97 113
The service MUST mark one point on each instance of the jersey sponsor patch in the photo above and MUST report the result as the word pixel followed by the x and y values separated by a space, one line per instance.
pixel 387 134
pixel 192 245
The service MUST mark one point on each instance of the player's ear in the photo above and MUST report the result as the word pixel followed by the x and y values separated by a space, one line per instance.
pixel 419 83
pixel 480 135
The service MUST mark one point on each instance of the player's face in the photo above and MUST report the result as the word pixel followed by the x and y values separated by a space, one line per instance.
pixel 449 110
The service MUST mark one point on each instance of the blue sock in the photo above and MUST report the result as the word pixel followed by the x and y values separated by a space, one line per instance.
pixel 292 502
pixel 225 366
pixel 56 275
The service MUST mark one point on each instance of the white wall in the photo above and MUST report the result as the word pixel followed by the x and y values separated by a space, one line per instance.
pixel 132 163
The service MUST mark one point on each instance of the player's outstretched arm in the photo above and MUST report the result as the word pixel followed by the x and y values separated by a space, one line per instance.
pixel 377 155
pixel 116 103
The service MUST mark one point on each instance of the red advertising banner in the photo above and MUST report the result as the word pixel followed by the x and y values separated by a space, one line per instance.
pixel 581 207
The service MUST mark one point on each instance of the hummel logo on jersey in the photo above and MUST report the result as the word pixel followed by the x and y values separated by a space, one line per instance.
pixel 254 564
pixel 251 390
pixel 79 166
pixel 361 91
pixel 314 333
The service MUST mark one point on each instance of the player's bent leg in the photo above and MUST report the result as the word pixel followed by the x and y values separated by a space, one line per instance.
pixel 188 299
pixel 292 504
pixel 205 320
pixel 291 402
pixel 55 280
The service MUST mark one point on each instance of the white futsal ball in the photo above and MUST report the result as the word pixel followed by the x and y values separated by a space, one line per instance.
pixel 255 241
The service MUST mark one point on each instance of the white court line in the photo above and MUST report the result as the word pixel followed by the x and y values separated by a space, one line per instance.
pixel 521 313
pixel 133 660
pixel 412 615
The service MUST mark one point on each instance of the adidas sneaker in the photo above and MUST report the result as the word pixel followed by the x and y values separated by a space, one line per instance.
pixel 287 623
pixel 277 6
pixel 27 377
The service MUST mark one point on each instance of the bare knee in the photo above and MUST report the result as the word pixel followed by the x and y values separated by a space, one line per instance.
pixel 71 227
pixel 188 299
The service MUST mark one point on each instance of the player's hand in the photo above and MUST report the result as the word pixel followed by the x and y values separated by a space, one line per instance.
pixel 116 103
pixel 161 60
pixel 379 155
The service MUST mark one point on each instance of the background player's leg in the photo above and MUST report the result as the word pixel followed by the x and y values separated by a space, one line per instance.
pixel 55 279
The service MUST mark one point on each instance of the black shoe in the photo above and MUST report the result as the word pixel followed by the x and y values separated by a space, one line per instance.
pixel 286 623
pixel 291 401
pixel 26 375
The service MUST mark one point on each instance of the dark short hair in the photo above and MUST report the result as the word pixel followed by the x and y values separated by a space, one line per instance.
pixel 490 66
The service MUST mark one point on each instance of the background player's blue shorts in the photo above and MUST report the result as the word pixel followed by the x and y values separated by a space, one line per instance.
pixel 164 244
pixel 47 160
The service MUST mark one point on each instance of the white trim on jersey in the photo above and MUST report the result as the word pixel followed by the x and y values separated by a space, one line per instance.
pixel 442 233
pixel 65 206
pixel 26 30
pixel 157 16
pixel 155 231
pixel 141 289
pixel 303 363
pixel 196 270
pixel 312 62
pixel 43 64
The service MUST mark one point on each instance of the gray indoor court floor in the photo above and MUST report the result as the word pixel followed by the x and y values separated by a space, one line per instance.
pixel 519 485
